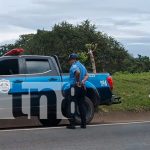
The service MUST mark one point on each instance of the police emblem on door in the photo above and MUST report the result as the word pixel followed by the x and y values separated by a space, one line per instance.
pixel 4 86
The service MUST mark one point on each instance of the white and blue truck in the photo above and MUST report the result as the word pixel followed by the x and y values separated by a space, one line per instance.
pixel 46 72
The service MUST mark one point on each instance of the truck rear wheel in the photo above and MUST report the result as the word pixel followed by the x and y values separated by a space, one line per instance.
pixel 89 107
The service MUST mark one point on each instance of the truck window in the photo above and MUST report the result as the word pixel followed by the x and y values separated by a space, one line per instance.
pixel 37 66
pixel 9 67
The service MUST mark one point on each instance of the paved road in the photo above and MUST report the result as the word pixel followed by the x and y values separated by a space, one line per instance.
pixel 133 136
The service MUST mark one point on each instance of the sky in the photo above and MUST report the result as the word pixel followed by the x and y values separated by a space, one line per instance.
pixel 128 21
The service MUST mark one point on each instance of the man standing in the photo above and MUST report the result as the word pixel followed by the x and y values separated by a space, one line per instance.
pixel 78 77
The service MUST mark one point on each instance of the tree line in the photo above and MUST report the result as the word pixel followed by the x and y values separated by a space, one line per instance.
pixel 65 38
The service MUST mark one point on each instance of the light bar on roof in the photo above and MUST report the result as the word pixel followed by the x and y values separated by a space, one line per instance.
pixel 14 52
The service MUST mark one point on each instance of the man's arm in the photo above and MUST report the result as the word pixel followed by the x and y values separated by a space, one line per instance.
pixel 77 75
pixel 85 78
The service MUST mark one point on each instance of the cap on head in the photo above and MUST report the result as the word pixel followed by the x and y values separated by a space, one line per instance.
pixel 73 56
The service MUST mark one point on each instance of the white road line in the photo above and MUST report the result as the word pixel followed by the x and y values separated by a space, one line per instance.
pixel 123 123
pixel 62 127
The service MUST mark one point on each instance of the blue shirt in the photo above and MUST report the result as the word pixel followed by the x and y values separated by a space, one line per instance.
pixel 77 66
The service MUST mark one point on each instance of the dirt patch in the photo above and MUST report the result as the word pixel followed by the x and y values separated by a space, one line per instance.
pixel 99 118
pixel 114 117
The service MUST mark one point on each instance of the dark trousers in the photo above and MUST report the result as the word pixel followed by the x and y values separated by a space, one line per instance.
pixel 79 100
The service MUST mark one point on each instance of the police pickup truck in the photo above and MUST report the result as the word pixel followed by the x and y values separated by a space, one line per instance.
pixel 27 80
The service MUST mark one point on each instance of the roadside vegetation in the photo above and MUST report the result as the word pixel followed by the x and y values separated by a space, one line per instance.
pixel 65 38
pixel 134 90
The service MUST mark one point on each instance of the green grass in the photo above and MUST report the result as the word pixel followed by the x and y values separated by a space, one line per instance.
pixel 134 90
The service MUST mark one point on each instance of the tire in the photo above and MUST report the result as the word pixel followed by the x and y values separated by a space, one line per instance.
pixel 89 111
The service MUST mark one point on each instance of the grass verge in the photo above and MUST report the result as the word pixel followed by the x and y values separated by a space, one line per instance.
pixel 134 90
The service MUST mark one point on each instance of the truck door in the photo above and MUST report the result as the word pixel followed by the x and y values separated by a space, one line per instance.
pixel 42 78
pixel 10 87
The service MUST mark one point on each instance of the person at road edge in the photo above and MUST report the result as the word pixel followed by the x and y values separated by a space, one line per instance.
pixel 78 77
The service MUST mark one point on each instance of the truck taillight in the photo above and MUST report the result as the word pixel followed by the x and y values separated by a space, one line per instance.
pixel 110 82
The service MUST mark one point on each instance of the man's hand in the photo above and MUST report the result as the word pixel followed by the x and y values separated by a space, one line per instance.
pixel 85 79
pixel 83 82
pixel 78 84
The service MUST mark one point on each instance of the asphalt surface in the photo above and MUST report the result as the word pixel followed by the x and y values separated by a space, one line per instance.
pixel 132 136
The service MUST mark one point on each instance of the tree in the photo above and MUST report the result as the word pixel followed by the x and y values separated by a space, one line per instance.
pixel 3 49
pixel 65 38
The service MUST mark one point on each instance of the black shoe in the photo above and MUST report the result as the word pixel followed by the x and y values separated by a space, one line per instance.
pixel 70 127
pixel 83 126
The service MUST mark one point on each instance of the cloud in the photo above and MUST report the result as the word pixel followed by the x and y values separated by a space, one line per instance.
pixel 46 2
pixel 138 45
pixel 140 49
pixel 127 21
pixel 13 33
pixel 145 40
